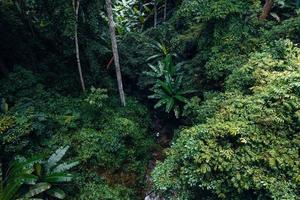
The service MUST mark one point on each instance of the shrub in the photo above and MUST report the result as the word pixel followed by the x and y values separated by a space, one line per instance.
pixel 103 192
pixel 249 148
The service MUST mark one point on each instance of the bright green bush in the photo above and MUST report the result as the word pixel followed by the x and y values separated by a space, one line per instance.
pixel 104 192
pixel 249 148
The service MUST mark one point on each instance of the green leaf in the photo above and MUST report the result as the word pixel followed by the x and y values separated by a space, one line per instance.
pixel 65 166
pixel 160 103
pixel 180 98
pixel 29 179
pixel 56 157
pixel 56 193
pixel 166 87
pixel 10 190
pixel 18 167
pixel 153 57
pixel 170 105
pixel 58 177
pixel 38 169
pixel 37 189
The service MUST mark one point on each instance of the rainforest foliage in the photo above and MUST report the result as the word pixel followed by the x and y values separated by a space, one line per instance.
pixel 212 92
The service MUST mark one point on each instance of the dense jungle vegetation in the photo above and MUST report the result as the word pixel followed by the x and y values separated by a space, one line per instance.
pixel 150 99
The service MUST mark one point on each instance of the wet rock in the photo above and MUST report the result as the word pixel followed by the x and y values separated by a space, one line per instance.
pixel 153 196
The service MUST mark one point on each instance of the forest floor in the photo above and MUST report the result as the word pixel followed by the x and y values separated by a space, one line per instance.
pixel 163 134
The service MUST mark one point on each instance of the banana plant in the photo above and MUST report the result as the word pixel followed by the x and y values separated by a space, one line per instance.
pixel 168 87
pixel 161 49
pixel 51 174
pixel 37 178
pixel 19 173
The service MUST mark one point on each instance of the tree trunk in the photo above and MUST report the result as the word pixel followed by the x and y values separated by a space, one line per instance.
pixel 266 9
pixel 1 177
pixel 155 13
pixel 165 10
pixel 76 4
pixel 115 50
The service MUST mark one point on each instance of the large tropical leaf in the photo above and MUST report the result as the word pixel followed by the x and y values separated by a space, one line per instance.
pixel 56 157
pixel 58 177
pixel 56 193
pixel 182 92
pixel 169 105
pixel 9 192
pixel 180 98
pixel 29 179
pixel 160 103
pixel 154 57
pixel 65 166
pixel 37 189
pixel 166 87
pixel 19 167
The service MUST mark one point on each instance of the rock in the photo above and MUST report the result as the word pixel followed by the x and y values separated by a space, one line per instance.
pixel 153 196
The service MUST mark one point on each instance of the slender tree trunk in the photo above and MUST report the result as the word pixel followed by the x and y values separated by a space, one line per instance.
pixel 155 13
pixel 76 4
pixel 266 9
pixel 115 50
pixel 165 10
pixel 1 177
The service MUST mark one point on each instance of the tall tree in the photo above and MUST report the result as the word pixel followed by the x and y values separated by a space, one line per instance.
pixel 266 9
pixel 115 50
pixel 165 10
pixel 76 4
pixel 155 13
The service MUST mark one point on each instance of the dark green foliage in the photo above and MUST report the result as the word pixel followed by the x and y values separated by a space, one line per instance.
pixel 113 139
pixel 248 149
pixel 3 106
pixel 238 136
